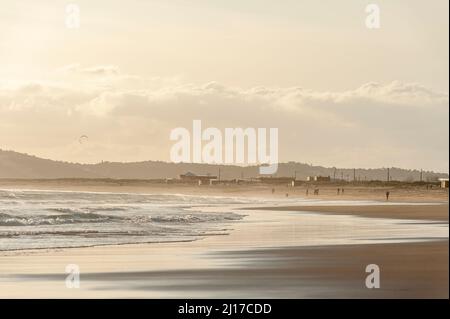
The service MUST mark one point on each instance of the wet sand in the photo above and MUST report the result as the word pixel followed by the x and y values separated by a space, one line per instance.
pixel 418 270
pixel 438 212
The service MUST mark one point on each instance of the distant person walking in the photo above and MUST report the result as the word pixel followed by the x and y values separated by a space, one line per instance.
pixel 338 191
pixel 387 195
pixel 342 191
pixel 273 190
pixel 307 191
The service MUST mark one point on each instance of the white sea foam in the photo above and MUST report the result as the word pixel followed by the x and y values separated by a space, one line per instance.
pixel 48 219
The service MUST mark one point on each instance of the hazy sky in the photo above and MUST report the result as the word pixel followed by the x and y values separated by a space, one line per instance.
pixel 341 94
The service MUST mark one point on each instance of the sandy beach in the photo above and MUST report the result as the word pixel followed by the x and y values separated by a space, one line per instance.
pixel 402 192
pixel 273 252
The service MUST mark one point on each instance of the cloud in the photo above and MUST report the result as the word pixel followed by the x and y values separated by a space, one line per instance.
pixel 392 124
pixel 100 70
pixel 107 77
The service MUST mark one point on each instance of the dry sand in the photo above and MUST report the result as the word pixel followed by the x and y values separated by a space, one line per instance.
pixel 398 192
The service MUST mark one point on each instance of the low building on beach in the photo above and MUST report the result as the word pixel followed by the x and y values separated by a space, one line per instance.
pixel 197 179
pixel 318 178
pixel 444 182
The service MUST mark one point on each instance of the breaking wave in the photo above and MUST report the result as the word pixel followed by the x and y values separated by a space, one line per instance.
pixel 46 219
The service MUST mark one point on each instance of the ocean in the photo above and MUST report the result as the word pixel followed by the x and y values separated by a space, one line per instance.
pixel 31 219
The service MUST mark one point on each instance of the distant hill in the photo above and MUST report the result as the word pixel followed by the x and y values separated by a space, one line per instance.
pixel 18 165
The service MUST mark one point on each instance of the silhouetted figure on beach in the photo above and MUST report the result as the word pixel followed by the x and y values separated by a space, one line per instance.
pixel 273 190
pixel 307 191
pixel 316 191
pixel 387 195
pixel 287 195
pixel 338 191
pixel 342 191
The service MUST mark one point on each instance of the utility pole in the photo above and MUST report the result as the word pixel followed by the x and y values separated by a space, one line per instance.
pixel 388 175
pixel 421 175
pixel 354 174
pixel 334 174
